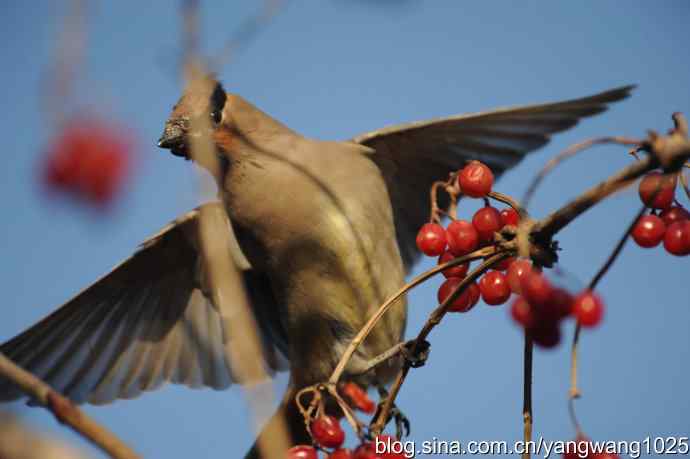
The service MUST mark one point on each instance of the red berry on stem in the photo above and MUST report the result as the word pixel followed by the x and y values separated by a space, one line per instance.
pixel 342 453
pixel 523 313
pixel 536 288
pixel 389 447
pixel 677 238
pixel 657 190
pixel 577 448
pixel 649 231
pixel 476 179
pixel 327 432
pixel 674 214
pixel 302 452
pixel 516 272
pixel 366 451
pixel 431 239
pixel 588 308
pixel 509 216
pixel 462 237
pixel 486 221
pixel 358 397
pixel 455 271
pixel 494 288
pixel 465 301
pixel 504 264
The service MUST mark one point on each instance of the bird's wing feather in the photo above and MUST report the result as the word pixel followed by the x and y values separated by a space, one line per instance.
pixel 411 156
pixel 143 324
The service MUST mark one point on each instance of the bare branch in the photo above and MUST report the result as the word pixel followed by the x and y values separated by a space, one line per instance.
pixel 65 411
pixel 568 153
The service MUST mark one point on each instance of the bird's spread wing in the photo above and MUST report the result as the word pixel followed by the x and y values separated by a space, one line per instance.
pixel 143 324
pixel 411 156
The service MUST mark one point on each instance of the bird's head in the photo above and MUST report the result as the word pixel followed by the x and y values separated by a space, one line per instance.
pixel 204 97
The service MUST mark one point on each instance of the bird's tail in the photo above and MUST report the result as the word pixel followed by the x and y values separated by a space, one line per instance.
pixel 294 422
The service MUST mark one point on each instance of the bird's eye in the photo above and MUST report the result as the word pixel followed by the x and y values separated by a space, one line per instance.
pixel 215 116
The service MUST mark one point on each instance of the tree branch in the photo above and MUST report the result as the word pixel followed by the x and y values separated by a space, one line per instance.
pixel 65 411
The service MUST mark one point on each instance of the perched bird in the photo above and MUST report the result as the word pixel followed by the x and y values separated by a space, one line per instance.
pixel 326 232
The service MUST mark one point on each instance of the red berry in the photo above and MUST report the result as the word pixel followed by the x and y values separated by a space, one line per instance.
pixel 302 452
pixel 389 447
pixel 677 238
pixel 465 301
pixel 90 159
pixel 504 264
pixel 509 216
pixel 578 448
pixel 523 313
pixel 588 308
pixel 366 451
pixel 431 239
pixel 536 288
pixel 342 453
pixel 476 179
pixel 474 293
pixel 674 214
pixel 327 432
pixel 546 334
pixel 657 190
pixel 455 271
pixel 486 221
pixel 559 305
pixel 462 237
pixel 494 288
pixel 358 397
pixel 649 231
pixel 516 273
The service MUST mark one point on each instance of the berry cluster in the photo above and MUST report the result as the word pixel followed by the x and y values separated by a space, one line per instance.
pixel 462 237
pixel 671 225
pixel 88 159
pixel 541 306
pixel 327 433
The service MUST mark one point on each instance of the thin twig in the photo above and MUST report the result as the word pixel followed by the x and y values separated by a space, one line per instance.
pixel 225 282
pixel 527 416
pixel 248 31
pixel 574 391
pixel 568 153
pixel 684 182
pixel 434 319
pixel 616 251
pixel 373 320
pixel 558 220
pixel 65 411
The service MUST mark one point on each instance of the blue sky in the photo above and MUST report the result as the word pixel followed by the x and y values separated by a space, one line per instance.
pixel 332 69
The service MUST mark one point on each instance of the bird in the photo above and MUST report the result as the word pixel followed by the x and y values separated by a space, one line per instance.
pixel 324 232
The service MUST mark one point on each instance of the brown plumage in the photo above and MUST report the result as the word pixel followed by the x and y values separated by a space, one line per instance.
pixel 326 233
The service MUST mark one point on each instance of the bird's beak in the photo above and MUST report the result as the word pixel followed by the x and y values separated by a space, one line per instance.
pixel 173 138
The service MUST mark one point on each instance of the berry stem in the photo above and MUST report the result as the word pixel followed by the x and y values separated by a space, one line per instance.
pixel 527 393
pixel 574 391
pixel 505 199
pixel 684 181
pixel 434 319
pixel 373 320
